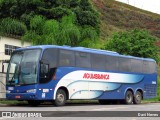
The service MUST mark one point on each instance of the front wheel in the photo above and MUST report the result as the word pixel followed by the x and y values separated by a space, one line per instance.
pixel 129 97
pixel 137 98
pixel 60 98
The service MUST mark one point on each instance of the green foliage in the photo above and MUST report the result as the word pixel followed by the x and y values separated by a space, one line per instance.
pixel 86 5
pixel 36 24
pixel 87 18
pixel 74 3
pixel 51 21
pixel 12 26
pixel 136 42
pixel 89 37
pixel 59 12
pixel 70 33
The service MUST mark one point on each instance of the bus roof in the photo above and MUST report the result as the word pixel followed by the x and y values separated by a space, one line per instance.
pixel 88 50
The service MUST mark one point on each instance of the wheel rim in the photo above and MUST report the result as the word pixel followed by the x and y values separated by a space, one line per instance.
pixel 129 98
pixel 138 97
pixel 60 98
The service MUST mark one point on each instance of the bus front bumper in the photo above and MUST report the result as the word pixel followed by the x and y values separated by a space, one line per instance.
pixel 21 96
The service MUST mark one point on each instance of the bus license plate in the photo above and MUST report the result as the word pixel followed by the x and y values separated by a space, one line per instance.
pixel 17 97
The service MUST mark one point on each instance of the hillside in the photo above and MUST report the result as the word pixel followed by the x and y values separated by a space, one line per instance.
pixel 116 16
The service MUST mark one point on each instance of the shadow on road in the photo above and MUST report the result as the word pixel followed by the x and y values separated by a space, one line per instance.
pixel 70 103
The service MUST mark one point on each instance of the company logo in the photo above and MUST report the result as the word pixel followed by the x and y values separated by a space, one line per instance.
pixel 96 76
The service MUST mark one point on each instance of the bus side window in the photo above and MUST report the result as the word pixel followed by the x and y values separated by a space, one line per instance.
pixel 124 64
pixel 98 61
pixel 83 60
pixel 66 58
pixel 48 64
pixel 111 63
pixel 149 67
pixel 136 66
pixel 153 67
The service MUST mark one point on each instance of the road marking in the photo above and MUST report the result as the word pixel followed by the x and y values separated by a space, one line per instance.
pixel 102 109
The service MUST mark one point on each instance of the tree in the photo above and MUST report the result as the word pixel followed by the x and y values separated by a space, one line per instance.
pixel 136 42
pixel 50 21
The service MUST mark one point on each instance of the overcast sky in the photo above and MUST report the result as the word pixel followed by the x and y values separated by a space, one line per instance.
pixel 150 5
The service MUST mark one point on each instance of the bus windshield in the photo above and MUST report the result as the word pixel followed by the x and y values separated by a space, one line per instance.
pixel 23 67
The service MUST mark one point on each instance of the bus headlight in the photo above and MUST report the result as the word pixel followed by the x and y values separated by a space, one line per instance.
pixel 8 91
pixel 31 91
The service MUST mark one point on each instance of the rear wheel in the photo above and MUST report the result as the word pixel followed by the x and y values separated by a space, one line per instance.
pixel 129 97
pixel 60 98
pixel 137 97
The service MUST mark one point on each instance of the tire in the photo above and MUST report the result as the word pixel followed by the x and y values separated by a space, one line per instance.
pixel 128 98
pixel 137 98
pixel 60 98
pixel 34 102
pixel 104 102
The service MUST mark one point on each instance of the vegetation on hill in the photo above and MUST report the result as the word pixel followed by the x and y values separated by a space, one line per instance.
pixel 116 16
pixel 72 22
pixel 136 42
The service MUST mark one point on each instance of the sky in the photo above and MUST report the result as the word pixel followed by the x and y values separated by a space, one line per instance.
pixel 149 5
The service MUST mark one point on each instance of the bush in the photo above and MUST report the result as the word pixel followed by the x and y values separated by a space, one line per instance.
pixel 89 37
pixel 70 33
pixel 59 12
pixel 36 23
pixel 136 42
pixel 12 26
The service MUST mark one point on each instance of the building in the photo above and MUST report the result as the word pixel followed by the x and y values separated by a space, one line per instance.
pixel 7 46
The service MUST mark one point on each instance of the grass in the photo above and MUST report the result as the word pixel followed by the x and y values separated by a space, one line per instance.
pixel 12 102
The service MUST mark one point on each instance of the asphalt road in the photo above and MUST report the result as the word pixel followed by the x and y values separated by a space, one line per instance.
pixel 86 111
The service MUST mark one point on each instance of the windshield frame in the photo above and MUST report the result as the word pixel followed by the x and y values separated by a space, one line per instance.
pixel 37 66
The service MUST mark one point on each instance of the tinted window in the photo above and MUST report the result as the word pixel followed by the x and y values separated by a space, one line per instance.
pixel 98 61
pixel 136 65
pixel 124 64
pixel 149 67
pixel 83 60
pixel 66 58
pixel 49 58
pixel 153 67
pixel 112 63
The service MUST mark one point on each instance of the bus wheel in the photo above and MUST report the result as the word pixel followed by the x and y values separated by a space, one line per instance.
pixel 137 98
pixel 129 97
pixel 34 102
pixel 60 98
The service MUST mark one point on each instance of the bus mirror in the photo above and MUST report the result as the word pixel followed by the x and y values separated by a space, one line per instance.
pixel 44 70
pixel 44 61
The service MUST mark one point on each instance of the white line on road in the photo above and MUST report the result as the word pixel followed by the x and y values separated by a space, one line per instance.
pixel 100 109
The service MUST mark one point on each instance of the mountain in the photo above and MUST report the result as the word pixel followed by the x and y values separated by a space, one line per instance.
pixel 117 16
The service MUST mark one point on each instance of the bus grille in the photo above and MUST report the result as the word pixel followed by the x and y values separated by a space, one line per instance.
pixel 150 90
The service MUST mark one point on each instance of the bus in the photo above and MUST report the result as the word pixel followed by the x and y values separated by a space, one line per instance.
pixel 59 73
